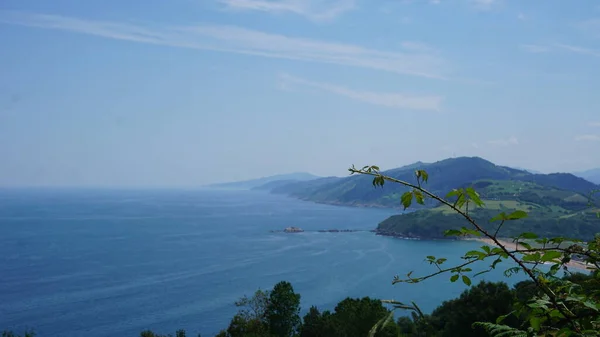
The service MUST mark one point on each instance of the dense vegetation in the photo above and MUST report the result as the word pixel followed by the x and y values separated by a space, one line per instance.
pixel 552 212
pixel 432 224
pixel 355 317
pixel 276 313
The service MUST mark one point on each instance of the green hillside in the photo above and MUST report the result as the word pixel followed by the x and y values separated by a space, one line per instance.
pixel 445 175
pixel 552 212
pixel 556 202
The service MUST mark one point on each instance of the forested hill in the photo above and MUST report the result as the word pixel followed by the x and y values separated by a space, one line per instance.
pixel 444 175
pixel 552 212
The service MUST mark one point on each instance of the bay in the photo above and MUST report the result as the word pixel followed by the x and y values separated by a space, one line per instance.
pixel 100 263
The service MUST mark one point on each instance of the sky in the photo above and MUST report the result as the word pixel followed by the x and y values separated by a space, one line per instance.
pixel 190 92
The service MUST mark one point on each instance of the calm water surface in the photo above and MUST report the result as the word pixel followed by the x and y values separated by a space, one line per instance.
pixel 111 263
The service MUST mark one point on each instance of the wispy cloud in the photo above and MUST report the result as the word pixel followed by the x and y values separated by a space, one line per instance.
pixel 484 4
pixel 504 142
pixel 521 16
pixel 594 124
pixel 535 48
pixel 240 40
pixel 578 49
pixel 588 138
pixel 390 100
pixel 318 10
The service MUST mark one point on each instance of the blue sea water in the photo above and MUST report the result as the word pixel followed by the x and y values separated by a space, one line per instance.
pixel 101 263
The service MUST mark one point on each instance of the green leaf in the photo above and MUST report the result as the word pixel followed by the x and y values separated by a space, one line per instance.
pixel 452 232
pixel 528 235
pixel 453 193
pixel 525 244
pixel 460 202
pixel 557 240
pixel 500 319
pixel 555 314
pixel 466 231
pixel 591 305
pixel 511 271
pixel 551 255
pixel 406 199
pixel 554 269
pixel 466 280
pixel 474 196
pixel 419 197
pixel 475 253
pixel 424 175
pixel 517 215
pixel 378 181
pixel 499 251
pixel 532 257
pixel 565 332
pixel 535 323
pixel 454 278
pixel 498 260
pixel 501 216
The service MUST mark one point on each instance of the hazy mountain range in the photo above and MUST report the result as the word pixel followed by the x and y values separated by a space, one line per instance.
pixel 592 175
pixel 252 183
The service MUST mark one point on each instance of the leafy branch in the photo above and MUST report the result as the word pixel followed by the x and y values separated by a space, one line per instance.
pixel 459 200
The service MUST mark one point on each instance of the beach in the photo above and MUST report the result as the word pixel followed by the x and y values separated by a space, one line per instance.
pixel 580 265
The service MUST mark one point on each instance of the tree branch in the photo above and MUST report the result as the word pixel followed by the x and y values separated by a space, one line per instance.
pixel 551 295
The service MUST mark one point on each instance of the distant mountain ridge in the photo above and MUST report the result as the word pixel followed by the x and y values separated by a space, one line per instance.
pixel 528 170
pixel 592 175
pixel 443 176
pixel 557 202
pixel 253 183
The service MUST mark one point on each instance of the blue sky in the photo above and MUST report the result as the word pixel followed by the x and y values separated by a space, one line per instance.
pixel 187 92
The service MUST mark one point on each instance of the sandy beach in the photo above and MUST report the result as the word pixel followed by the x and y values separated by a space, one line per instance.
pixel 511 245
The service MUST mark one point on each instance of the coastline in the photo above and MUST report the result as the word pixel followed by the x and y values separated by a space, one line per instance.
pixel 575 264
pixel 580 265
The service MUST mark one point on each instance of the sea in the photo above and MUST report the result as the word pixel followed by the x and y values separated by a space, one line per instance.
pixel 97 262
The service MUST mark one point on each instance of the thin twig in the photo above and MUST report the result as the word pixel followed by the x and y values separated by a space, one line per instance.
pixel 441 271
